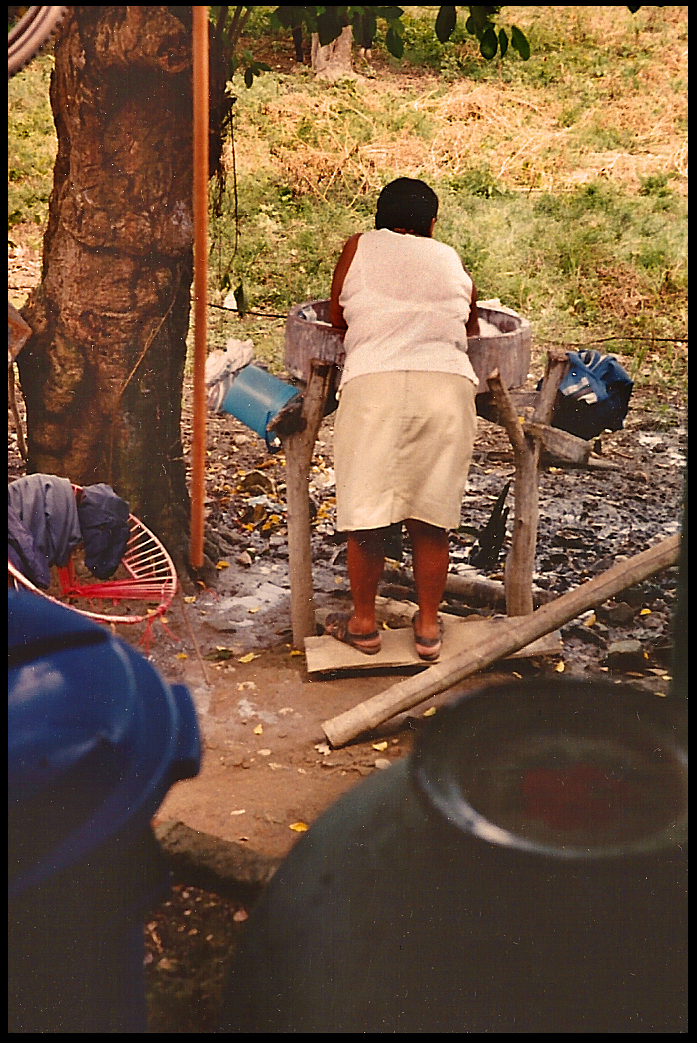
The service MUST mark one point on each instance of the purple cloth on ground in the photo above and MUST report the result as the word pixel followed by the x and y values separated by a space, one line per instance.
pixel 45 504
pixel 22 552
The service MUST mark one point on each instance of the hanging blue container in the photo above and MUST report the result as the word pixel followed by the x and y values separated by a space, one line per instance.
pixel 256 398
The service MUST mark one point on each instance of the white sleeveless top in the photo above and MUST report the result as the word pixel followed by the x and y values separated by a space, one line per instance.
pixel 406 299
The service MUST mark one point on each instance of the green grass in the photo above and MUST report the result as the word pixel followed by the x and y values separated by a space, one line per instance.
pixel 595 261
pixel 31 144
pixel 562 180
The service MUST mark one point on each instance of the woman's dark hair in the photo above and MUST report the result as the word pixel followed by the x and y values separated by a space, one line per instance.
pixel 407 203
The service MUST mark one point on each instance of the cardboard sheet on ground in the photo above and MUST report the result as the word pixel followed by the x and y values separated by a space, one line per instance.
pixel 327 655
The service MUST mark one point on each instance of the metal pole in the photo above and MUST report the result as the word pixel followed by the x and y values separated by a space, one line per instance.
pixel 198 439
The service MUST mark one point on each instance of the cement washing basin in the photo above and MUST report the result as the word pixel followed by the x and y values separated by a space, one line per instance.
pixel 509 350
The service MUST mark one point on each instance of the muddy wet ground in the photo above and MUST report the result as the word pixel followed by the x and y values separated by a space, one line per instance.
pixel 266 765
pixel 267 771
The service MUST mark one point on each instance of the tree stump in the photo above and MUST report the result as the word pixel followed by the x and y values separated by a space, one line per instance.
pixel 333 62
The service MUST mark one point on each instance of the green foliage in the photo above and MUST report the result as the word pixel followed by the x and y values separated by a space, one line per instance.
pixel 328 23
pixel 477 182
pixel 445 23
pixel 655 185
pixel 31 143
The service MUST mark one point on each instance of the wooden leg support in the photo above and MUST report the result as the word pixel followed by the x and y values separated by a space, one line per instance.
pixel 299 447
pixel 526 450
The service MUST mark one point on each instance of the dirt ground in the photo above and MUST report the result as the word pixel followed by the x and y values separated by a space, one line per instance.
pixel 267 770
pixel 267 766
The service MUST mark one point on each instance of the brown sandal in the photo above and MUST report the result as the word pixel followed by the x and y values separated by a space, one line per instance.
pixel 428 648
pixel 336 625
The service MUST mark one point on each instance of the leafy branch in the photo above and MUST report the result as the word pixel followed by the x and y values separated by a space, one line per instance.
pixel 328 22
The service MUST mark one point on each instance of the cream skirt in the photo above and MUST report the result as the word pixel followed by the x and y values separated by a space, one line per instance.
pixel 402 449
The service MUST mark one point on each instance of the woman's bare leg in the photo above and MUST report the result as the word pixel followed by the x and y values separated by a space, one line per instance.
pixel 366 563
pixel 431 555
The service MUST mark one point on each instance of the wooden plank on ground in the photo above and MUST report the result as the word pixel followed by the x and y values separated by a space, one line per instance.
pixel 325 654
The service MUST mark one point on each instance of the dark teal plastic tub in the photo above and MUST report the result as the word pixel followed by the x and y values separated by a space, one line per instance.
pixel 524 870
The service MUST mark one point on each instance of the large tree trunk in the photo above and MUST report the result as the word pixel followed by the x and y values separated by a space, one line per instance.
pixel 102 374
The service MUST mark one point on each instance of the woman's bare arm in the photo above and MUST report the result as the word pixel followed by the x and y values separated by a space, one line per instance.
pixel 336 312
pixel 472 324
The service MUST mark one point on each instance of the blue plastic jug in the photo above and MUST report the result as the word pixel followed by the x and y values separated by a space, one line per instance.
pixel 95 740
pixel 256 398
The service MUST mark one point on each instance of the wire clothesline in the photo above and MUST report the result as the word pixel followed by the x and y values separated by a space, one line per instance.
pixel 559 343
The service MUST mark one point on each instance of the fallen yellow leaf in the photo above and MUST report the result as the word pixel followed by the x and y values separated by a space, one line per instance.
pixel 190 600
pixel 590 619
pixel 223 565
pixel 248 657
pixel 298 827
pixel 430 712
pixel 559 667
pixel 295 651
pixel 380 746
pixel 645 612
pixel 182 655
pixel 259 730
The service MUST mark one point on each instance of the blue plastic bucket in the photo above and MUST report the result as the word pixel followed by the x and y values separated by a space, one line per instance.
pixel 96 738
pixel 256 398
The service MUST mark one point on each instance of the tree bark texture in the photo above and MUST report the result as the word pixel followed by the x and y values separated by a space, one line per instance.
pixel 299 448
pixel 334 61
pixel 102 374
pixel 520 561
